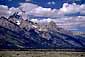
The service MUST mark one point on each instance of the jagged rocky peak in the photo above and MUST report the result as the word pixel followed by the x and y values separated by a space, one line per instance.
pixel 27 34
pixel 45 27
pixel 15 18
pixel 49 26
pixel 52 25
pixel 42 27
pixel 27 24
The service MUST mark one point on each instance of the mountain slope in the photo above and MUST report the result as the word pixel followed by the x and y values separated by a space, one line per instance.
pixel 24 36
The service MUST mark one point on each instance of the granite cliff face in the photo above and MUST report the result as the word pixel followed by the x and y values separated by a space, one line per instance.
pixel 19 33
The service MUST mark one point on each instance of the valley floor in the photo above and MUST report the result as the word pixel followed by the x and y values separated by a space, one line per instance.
pixel 41 54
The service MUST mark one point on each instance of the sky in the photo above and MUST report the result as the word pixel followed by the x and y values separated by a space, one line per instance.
pixel 68 14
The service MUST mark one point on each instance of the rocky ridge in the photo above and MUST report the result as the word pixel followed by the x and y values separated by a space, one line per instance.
pixel 19 33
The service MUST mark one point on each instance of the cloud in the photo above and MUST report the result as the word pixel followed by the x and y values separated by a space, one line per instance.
pixel 72 9
pixel 13 10
pixel 66 10
pixel 35 10
pixel 4 11
pixel 41 21
pixel 27 7
pixel 73 23
pixel 40 11
pixel 23 10
pixel 82 9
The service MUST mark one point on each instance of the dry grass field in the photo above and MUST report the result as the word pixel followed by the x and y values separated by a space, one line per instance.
pixel 40 54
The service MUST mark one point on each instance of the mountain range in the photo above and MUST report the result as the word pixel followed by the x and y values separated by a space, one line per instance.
pixel 18 33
